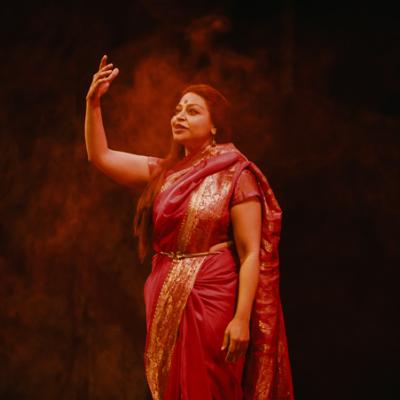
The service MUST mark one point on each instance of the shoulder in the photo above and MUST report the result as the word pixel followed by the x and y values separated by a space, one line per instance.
pixel 224 148
pixel 153 163
pixel 246 187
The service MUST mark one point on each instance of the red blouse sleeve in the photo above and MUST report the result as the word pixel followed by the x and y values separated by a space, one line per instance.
pixel 246 187
pixel 153 163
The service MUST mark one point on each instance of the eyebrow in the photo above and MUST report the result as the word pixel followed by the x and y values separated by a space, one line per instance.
pixel 190 104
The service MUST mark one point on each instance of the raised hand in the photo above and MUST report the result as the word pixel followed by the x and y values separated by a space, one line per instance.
pixel 101 80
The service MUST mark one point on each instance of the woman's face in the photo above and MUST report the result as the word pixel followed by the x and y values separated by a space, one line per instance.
pixel 191 122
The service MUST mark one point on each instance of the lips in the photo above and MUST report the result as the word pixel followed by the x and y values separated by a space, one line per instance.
pixel 180 126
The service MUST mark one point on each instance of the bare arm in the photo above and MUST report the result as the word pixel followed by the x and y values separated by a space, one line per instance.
pixel 125 168
pixel 246 221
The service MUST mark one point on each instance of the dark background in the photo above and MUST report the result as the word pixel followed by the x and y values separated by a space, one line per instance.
pixel 316 95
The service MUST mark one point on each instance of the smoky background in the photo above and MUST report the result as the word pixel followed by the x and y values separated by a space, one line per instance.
pixel 314 90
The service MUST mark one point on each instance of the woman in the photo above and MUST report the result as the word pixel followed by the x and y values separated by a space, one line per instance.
pixel 215 328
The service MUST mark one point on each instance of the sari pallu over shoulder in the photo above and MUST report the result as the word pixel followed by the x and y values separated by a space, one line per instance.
pixel 267 374
pixel 196 194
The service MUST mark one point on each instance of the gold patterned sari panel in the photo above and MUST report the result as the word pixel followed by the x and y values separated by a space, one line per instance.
pixel 206 210
pixel 206 213
pixel 165 322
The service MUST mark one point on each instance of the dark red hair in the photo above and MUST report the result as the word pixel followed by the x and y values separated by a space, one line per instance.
pixel 218 107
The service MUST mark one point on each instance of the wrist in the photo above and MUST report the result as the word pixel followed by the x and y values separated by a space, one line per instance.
pixel 243 317
pixel 93 102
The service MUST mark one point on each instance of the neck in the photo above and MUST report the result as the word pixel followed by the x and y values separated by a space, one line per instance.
pixel 192 149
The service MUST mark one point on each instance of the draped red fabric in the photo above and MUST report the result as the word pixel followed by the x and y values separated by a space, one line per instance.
pixel 190 301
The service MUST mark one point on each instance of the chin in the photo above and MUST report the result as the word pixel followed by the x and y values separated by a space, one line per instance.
pixel 179 139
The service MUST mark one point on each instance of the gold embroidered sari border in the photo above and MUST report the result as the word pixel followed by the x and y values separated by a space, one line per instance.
pixel 166 320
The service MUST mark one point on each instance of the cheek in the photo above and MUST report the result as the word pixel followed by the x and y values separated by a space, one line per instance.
pixel 200 123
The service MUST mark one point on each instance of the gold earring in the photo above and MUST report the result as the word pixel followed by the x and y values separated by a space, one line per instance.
pixel 213 133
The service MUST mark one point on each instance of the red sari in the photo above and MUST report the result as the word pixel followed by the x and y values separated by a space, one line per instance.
pixel 190 301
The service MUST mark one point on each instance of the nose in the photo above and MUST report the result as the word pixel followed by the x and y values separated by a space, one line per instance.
pixel 180 116
pixel 177 118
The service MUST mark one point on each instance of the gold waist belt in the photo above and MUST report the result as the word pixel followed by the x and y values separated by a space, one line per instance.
pixel 178 255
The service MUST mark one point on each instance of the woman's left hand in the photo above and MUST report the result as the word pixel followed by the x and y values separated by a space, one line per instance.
pixel 236 339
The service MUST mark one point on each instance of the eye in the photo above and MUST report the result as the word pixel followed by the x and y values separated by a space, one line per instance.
pixel 192 111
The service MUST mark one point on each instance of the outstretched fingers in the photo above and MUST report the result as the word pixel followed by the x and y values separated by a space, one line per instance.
pixel 102 74
pixel 107 74
pixel 113 74
pixel 106 67
pixel 101 80
pixel 103 62
pixel 108 78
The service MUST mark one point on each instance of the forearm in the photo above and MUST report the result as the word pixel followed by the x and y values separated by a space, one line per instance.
pixel 248 281
pixel 95 136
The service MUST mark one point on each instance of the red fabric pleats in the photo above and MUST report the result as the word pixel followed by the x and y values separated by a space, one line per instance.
pixel 199 370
